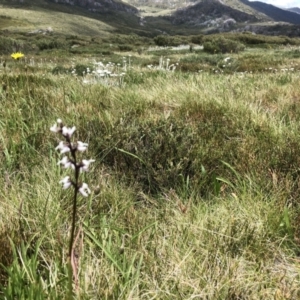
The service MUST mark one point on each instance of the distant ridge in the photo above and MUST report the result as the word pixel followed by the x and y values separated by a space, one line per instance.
pixel 294 9
pixel 206 10
pixel 276 13
pixel 100 5
pixel 194 16
pixel 90 5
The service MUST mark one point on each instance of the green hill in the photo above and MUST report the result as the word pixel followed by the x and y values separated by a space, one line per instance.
pixel 104 17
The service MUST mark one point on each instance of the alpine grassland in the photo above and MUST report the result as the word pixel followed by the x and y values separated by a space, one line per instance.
pixel 194 187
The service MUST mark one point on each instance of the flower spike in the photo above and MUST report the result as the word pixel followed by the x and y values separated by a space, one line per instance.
pixel 72 161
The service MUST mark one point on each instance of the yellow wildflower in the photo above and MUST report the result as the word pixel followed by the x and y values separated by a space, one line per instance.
pixel 17 55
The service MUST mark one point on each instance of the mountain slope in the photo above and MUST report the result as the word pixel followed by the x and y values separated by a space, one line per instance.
pixel 277 14
pixel 104 17
pixel 69 19
pixel 294 9
pixel 193 12
pixel 100 5
pixel 208 13
pixel 90 5
pixel 237 4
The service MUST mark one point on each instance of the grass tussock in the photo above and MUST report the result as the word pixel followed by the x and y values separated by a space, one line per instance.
pixel 195 187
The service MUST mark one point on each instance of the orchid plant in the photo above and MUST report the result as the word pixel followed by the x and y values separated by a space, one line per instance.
pixel 71 161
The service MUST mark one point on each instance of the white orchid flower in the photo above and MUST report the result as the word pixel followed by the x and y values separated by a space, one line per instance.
pixel 85 164
pixel 81 146
pixel 67 132
pixel 63 147
pixel 57 126
pixel 66 163
pixel 84 190
pixel 66 182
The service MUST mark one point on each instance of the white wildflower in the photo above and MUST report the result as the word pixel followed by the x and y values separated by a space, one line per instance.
pixel 81 146
pixel 66 182
pixel 84 190
pixel 57 126
pixel 85 164
pixel 63 147
pixel 66 163
pixel 67 132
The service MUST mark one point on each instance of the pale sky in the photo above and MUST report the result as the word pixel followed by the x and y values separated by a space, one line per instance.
pixel 282 3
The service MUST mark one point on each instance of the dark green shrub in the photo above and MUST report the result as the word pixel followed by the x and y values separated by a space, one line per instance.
pixel 161 40
pixel 197 39
pixel 82 69
pixel 59 70
pixel 9 45
pixel 106 52
pixel 131 39
pixel 140 50
pixel 125 47
pixel 167 41
pixel 204 62
pixel 294 53
pixel 249 38
pixel 77 42
pixel 222 45
pixel 48 44
pixel 190 67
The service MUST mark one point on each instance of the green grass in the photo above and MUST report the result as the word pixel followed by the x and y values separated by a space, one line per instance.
pixel 60 22
pixel 195 188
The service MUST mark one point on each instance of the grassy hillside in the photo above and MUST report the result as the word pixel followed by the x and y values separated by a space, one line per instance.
pixel 15 19
pixel 67 19
pixel 194 191
pixel 151 21
pixel 237 4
